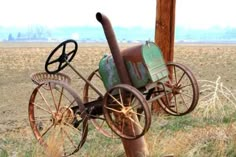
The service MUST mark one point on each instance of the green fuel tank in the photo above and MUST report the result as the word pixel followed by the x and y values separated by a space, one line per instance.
pixel 144 63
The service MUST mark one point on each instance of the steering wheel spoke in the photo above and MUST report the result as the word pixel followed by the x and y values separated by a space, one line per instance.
pixel 70 53
pixel 54 61
pixel 60 65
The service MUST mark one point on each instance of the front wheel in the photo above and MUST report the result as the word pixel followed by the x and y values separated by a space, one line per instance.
pixel 126 112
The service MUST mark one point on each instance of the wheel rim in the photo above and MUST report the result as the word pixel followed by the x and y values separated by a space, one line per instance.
pixel 130 119
pixel 51 117
pixel 90 95
pixel 184 93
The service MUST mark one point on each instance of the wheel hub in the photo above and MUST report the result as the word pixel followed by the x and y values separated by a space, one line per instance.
pixel 176 89
pixel 63 115
pixel 126 111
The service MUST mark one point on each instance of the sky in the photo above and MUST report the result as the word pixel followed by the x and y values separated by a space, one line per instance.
pixel 126 13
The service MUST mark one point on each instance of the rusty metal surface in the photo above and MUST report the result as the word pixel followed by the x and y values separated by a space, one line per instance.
pixel 46 114
pixel 41 77
pixel 113 45
pixel 108 72
pixel 182 91
pixel 154 62
pixel 143 62
pixel 123 117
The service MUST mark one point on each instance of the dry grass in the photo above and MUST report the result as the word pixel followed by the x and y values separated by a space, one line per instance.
pixel 194 142
pixel 212 135
pixel 208 131
pixel 216 100
pixel 54 147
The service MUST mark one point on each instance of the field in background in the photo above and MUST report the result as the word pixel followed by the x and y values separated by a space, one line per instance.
pixel 197 134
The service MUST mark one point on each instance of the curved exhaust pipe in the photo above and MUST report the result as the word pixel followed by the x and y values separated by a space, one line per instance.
pixel 114 48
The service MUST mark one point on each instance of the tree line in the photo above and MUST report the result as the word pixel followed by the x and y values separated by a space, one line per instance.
pixel 34 32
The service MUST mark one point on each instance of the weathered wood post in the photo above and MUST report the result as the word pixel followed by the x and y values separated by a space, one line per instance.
pixel 165 27
pixel 165 32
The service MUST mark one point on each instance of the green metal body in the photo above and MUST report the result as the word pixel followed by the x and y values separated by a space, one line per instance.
pixel 144 63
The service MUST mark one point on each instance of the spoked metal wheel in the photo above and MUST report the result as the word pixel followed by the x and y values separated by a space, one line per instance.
pixel 57 118
pixel 90 95
pixel 181 91
pixel 126 112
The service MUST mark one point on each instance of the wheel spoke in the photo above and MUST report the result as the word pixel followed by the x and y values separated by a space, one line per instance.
pixel 132 126
pixel 168 98
pixel 175 75
pixel 121 99
pixel 184 101
pixel 71 141
pixel 176 106
pixel 42 108
pixel 101 125
pixel 59 103
pixel 67 107
pixel 133 107
pixel 47 130
pixel 63 95
pixel 47 104
pixel 42 118
pixel 139 114
pixel 72 127
pixel 188 85
pixel 131 100
pixel 181 78
pixel 115 100
pixel 91 95
pixel 136 123
pixel 113 109
pixel 53 98
pixel 187 95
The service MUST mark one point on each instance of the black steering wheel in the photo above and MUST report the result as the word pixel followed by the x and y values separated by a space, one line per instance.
pixel 60 59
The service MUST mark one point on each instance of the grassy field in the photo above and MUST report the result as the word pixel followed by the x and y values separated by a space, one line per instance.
pixel 210 130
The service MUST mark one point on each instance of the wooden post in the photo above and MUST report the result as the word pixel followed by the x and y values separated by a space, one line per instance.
pixel 165 33
pixel 165 27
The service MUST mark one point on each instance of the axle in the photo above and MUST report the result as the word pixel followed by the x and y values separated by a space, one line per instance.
pixel 93 109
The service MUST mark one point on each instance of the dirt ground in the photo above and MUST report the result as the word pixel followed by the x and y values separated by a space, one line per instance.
pixel 19 60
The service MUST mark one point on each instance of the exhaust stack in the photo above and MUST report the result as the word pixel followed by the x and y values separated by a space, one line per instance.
pixel 114 48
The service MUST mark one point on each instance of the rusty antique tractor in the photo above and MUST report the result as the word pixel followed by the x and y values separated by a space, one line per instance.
pixel 134 79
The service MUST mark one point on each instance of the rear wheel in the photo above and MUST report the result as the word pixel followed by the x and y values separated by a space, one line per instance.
pixel 53 118
pixel 181 92
pixel 90 95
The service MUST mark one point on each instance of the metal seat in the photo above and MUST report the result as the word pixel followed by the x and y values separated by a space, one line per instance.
pixel 41 77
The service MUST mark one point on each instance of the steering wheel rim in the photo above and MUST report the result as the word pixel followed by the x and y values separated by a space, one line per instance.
pixel 65 56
